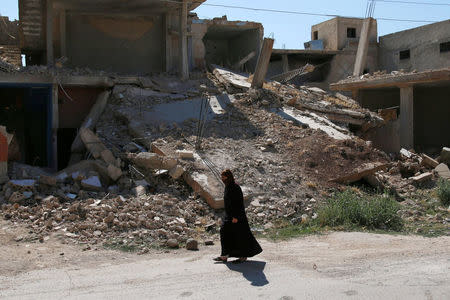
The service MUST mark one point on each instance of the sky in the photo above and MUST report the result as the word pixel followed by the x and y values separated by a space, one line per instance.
pixel 291 31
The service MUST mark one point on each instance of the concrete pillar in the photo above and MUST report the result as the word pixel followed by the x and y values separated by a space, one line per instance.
pixel 285 60
pixel 407 117
pixel 356 95
pixel 3 158
pixel 184 68
pixel 50 55
pixel 363 48
pixel 263 63
pixel 62 32
pixel 166 42
pixel 55 125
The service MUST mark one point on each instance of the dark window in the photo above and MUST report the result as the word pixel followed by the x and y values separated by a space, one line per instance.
pixel 444 47
pixel 315 35
pixel 405 54
pixel 351 32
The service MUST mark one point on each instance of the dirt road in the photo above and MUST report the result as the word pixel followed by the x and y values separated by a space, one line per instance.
pixel 333 266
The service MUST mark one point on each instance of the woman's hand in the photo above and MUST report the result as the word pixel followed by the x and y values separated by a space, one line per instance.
pixel 234 220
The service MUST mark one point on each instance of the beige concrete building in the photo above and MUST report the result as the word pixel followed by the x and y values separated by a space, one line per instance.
pixel 341 32
pixel 422 48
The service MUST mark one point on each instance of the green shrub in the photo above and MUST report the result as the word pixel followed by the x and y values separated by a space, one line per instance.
pixel 443 191
pixel 349 209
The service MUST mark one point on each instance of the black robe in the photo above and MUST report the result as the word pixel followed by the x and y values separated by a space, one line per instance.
pixel 236 238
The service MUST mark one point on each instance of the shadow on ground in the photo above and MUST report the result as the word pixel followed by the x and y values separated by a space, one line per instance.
pixel 252 270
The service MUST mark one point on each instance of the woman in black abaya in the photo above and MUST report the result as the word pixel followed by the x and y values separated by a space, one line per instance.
pixel 235 236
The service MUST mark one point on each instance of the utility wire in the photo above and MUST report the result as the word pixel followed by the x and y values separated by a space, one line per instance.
pixel 299 12
pixel 310 14
pixel 413 2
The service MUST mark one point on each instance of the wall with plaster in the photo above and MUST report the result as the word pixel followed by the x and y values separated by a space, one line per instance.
pixel 116 44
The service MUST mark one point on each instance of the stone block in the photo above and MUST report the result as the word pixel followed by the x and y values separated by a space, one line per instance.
pixel 192 245
pixel 92 184
pixel 176 172
pixel 16 197
pixel 183 154
pixel 429 162
pixel 108 157
pixel 443 171
pixel 139 191
pixel 47 180
pixel 422 177
pixel 114 172
pixel 445 155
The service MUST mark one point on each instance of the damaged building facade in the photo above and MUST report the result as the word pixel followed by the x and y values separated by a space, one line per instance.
pixel 414 96
pixel 142 37
pixel 92 45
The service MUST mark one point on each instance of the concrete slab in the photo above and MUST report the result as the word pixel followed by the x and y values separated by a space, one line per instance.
pixel 361 172
pixel 314 121
pixel 180 111
pixel 229 78
pixel 445 155
pixel 202 180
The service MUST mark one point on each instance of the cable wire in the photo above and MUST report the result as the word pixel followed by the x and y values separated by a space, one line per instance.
pixel 413 2
pixel 308 13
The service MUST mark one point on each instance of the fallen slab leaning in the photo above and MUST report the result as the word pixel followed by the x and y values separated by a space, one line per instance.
pixel 361 172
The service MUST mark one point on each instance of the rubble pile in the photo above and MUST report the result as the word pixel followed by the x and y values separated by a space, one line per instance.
pixel 142 216
pixel 149 143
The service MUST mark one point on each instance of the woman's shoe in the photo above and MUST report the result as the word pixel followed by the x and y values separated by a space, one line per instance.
pixel 220 259
pixel 239 260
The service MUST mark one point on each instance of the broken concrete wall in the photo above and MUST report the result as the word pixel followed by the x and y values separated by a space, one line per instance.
pixel 342 64
pixel 222 42
pixel 246 42
pixel 113 43
pixel 387 137
pixel 198 29
pixel 423 44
